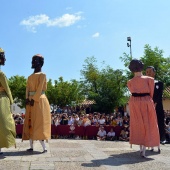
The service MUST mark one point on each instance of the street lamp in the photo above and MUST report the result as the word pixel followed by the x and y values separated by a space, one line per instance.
pixel 129 45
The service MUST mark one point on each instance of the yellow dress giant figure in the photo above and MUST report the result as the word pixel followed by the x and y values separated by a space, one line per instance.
pixel 37 124
pixel 7 124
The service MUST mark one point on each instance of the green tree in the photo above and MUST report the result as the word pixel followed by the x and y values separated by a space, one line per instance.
pixel 62 93
pixel 51 94
pixel 106 86
pixel 17 85
pixel 152 57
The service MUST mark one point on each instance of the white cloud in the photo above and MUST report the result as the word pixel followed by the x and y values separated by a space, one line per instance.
pixel 97 34
pixel 64 21
pixel 68 8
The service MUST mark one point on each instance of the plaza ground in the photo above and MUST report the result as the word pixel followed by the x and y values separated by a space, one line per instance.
pixel 65 154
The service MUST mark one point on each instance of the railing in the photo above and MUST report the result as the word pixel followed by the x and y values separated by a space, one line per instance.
pixel 88 132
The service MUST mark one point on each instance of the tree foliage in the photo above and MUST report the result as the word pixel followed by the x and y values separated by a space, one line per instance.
pixel 63 93
pixel 17 86
pixel 152 57
pixel 106 86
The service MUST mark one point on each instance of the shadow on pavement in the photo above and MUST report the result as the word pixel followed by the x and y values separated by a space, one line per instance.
pixel 120 159
pixel 19 153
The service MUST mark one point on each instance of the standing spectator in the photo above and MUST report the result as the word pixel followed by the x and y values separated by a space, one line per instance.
pixel 143 121
pixel 37 124
pixel 157 98
pixel 7 124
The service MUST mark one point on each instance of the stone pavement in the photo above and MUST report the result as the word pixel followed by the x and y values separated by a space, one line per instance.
pixel 64 154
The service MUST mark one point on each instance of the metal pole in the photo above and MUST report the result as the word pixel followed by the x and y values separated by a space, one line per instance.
pixel 130 49
pixel 129 45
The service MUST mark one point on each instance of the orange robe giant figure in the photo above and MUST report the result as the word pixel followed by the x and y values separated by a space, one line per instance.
pixel 143 120
pixel 37 124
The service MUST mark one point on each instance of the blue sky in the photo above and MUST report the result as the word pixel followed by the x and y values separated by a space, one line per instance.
pixel 66 32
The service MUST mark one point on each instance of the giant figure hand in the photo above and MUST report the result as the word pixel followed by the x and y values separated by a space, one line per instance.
pixel 27 101
pixel 32 102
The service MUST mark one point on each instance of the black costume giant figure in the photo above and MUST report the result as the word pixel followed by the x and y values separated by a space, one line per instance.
pixel 157 98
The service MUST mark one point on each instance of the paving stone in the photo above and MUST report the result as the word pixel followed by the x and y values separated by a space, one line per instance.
pixel 83 155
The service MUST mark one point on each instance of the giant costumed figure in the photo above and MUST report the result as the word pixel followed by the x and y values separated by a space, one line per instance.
pixel 157 98
pixel 143 121
pixel 37 124
pixel 7 124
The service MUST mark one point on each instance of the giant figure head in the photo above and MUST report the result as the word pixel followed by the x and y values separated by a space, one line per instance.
pixel 37 61
pixel 150 71
pixel 2 57
pixel 136 66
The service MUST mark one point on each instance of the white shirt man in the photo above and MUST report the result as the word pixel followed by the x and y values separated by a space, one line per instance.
pixel 70 121
pixel 111 134
pixel 101 135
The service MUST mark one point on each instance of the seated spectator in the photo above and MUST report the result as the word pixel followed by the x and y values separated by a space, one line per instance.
pixel 101 135
pixel 18 119
pixel 167 131
pixel 102 120
pixel 58 110
pixel 65 109
pixel 86 121
pixel 111 135
pixel 113 122
pixel 107 120
pixel 95 120
pixel 119 120
pixel 124 135
pixel 76 119
pixel 70 120
pixel 57 120
pixel 125 121
pixel 64 120
pixel 23 115
pixel 90 118
pixel 80 121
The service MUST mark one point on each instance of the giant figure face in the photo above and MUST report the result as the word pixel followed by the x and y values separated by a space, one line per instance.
pixel 37 61
pixel 150 72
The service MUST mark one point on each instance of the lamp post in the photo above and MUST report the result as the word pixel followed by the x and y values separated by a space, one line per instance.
pixel 129 45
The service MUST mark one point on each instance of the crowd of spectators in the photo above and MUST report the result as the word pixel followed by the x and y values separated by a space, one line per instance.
pixel 82 116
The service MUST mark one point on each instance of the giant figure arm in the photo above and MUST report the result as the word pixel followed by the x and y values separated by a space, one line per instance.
pixel 4 83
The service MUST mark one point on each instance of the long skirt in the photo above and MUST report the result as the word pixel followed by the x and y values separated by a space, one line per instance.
pixel 7 124
pixel 143 122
